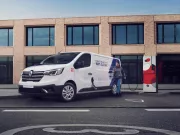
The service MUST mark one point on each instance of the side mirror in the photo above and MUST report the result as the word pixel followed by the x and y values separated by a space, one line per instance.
pixel 79 65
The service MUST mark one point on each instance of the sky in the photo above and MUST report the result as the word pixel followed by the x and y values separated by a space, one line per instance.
pixel 28 9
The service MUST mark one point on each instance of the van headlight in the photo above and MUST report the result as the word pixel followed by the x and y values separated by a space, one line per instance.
pixel 54 72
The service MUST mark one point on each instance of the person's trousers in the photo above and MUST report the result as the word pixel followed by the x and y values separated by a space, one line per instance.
pixel 118 82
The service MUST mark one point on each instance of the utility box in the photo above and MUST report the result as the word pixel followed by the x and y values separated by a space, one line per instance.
pixel 149 74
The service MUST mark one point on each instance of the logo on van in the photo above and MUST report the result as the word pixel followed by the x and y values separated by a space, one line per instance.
pixel 30 73
pixel 101 63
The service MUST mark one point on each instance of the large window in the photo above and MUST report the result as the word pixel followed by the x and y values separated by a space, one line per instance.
pixel 128 34
pixel 83 35
pixel 133 67
pixel 40 36
pixel 6 37
pixel 168 33
pixel 168 68
pixel 6 70
pixel 34 60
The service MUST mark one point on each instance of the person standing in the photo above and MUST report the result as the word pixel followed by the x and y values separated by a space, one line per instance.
pixel 117 77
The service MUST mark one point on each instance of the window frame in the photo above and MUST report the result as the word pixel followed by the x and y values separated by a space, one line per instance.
pixel 137 62
pixel 80 58
pixel 157 32
pixel 49 31
pixel 8 37
pixel 82 26
pixel 113 32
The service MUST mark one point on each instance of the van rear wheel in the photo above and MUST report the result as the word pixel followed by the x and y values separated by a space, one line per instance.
pixel 68 92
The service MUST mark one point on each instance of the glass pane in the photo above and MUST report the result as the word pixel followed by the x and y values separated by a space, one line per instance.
pixel 10 59
pixel 96 36
pixel 177 33
pixel 126 70
pixel 52 36
pixel 132 34
pixel 6 70
pixel 10 37
pixel 121 34
pixel 140 57
pixel 3 59
pixel 88 35
pixel 140 72
pixel 159 34
pixel 29 58
pixel 28 64
pixel 133 73
pixel 113 34
pixel 168 33
pixel 40 36
pixel 29 38
pixel 69 35
pixel 117 56
pixel 77 35
pixel 34 60
pixel 3 37
pixel 141 34
pixel 39 58
pixel 129 57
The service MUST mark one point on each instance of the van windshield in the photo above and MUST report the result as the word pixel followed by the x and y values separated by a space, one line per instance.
pixel 62 58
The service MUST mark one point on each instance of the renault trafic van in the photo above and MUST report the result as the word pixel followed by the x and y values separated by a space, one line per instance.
pixel 68 74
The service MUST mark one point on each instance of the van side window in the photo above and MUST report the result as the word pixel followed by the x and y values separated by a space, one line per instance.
pixel 86 59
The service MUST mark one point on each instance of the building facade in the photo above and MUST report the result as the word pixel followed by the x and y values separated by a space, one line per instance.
pixel 26 42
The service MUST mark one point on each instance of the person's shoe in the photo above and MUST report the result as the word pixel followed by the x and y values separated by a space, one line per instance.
pixel 119 94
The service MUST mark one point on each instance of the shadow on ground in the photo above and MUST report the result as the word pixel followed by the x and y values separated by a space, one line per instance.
pixel 98 100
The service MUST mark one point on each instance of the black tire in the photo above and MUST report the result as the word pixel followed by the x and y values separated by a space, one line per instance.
pixel 72 90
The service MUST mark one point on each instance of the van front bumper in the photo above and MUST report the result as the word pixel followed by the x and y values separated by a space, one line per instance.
pixel 41 90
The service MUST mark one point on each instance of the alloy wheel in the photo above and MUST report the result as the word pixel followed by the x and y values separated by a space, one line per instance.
pixel 68 92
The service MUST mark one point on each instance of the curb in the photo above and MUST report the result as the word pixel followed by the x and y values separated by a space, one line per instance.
pixel 154 94
pixel 101 107
pixel 12 97
pixel 178 93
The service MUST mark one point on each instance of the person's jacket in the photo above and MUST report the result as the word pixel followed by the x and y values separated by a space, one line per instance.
pixel 118 72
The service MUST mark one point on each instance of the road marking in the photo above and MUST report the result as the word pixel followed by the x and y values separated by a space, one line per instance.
pixel 127 128
pixel 163 110
pixel 135 100
pixel 125 132
pixel 27 110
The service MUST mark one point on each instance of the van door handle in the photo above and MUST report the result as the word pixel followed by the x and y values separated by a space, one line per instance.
pixel 89 73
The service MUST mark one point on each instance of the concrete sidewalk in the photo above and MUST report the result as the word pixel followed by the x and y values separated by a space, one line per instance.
pixel 9 93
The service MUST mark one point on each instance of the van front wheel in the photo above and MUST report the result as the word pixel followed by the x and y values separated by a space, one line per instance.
pixel 68 92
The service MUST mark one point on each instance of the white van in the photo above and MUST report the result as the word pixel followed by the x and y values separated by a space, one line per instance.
pixel 68 74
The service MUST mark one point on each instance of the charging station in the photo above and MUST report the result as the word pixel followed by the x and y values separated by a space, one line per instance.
pixel 149 74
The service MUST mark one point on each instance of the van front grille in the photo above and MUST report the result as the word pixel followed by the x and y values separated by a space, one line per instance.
pixel 36 76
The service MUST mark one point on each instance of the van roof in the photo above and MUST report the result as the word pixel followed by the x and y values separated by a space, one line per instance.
pixel 89 53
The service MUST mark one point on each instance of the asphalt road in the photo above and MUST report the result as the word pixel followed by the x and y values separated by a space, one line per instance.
pixel 88 121
pixel 99 100
pixel 92 115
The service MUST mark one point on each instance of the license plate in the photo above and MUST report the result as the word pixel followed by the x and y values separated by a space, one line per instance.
pixel 28 86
